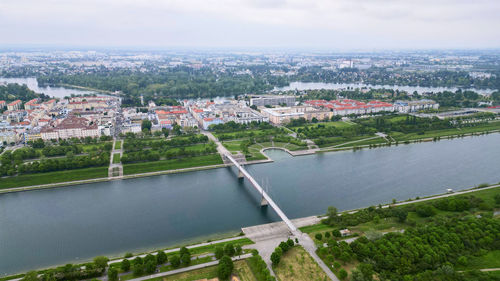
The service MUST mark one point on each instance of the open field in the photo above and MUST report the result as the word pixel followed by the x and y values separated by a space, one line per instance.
pixel 297 265
pixel 197 161
pixel 489 260
pixel 338 124
pixel 54 177
pixel 118 144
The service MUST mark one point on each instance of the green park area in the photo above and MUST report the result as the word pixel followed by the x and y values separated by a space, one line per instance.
pixel 250 139
pixel 170 164
pixel 297 265
pixel 116 158
pixel 464 226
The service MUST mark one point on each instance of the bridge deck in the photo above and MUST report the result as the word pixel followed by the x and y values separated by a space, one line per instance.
pixel 257 186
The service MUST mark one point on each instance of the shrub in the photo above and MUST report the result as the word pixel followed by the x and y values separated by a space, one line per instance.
pixel 225 268
pixel 342 274
pixel 175 261
pixel 125 265
pixel 319 236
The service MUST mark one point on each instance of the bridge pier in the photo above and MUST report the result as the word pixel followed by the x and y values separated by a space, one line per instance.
pixel 240 174
pixel 263 202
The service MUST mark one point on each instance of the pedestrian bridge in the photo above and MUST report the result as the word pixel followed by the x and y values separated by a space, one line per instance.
pixel 265 197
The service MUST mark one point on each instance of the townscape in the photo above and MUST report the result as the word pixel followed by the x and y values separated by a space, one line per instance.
pixel 282 140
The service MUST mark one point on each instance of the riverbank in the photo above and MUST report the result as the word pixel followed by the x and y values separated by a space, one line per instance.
pixel 263 232
pixel 207 167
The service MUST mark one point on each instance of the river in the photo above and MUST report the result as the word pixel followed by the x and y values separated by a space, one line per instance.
pixel 337 86
pixel 56 92
pixel 71 224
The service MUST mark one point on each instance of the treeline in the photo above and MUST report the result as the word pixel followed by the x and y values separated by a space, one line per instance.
pixel 11 166
pixel 167 153
pixel 177 82
pixel 70 272
pixel 12 92
pixel 232 126
pixel 410 124
pixel 320 130
pixel 134 144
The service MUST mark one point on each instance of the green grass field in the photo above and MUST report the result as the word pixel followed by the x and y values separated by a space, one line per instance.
pixel 490 260
pixel 54 177
pixel 163 165
pixel 118 144
pixel 338 124
pixel 448 132
pixel 116 158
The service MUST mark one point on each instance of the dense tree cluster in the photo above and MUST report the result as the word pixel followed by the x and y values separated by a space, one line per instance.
pixel 140 150
pixel 410 124
pixel 11 92
pixel 259 267
pixel 70 272
pixel 232 126
pixel 428 248
pixel 12 164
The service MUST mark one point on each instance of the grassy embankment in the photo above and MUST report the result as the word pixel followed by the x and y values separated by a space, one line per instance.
pixel 54 177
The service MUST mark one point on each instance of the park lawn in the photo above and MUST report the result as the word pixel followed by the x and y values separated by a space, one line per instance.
pixel 116 158
pixel 297 265
pixel 490 260
pixel 163 165
pixel 333 141
pixel 211 248
pixel 378 140
pixel 338 124
pixel 54 177
pixel 118 144
pixel 91 147
pixel 232 145
pixel 280 144
pixel 446 132
pixel 293 147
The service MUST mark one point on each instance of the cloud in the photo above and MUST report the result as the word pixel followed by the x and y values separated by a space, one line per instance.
pixel 285 23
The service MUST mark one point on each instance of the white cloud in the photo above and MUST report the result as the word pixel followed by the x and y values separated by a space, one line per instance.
pixel 294 23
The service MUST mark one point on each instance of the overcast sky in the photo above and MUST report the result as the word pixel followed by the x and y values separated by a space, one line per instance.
pixel 318 24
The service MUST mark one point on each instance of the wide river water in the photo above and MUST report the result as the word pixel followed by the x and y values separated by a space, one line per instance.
pixel 71 224
pixel 56 92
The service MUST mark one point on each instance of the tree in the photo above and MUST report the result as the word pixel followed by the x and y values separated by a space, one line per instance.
pixel 161 257
pixel 138 269
pixel 238 250
pixel 219 252
pixel 175 261
pixel 150 266
pixel 342 274
pixel 331 214
pixel 275 258
pixel 336 265
pixel 401 214
pixel 185 259
pixel 113 274
pixel 290 242
pixel 125 265
pixel 318 236
pixel 462 260
pixel 229 249
pixel 146 125
pixel 284 246
pixel 101 262
pixel 225 268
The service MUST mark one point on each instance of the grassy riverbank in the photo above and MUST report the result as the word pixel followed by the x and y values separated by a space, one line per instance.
pixel 53 177
pixel 155 166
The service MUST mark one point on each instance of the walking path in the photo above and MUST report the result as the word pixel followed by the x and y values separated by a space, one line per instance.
pixel 178 249
pixel 189 268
